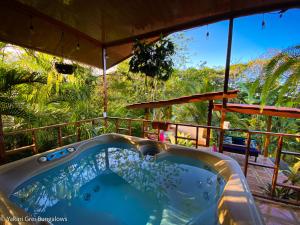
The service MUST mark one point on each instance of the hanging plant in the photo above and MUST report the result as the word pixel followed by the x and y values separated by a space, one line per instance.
pixel 61 67
pixel 153 59
pixel 64 68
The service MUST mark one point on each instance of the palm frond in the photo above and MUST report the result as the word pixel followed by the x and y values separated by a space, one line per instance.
pixel 290 85
pixel 282 70
pixel 9 108
pixel 11 77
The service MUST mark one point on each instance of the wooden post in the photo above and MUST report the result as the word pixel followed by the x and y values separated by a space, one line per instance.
pixel 143 129
pixel 59 138
pixel 147 113
pixel 168 113
pixel 129 127
pixel 34 149
pixel 276 165
pixel 267 139
pixel 176 133
pixel 226 79
pixel 197 136
pixel 104 87
pixel 158 132
pixel 117 125
pixel 147 117
pixel 2 146
pixel 209 119
pixel 247 153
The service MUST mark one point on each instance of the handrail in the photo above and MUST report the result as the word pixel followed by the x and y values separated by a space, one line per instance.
pixel 150 121
pixel 51 126
pixel 264 132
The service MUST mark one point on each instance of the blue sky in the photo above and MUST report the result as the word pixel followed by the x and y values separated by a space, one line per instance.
pixel 250 41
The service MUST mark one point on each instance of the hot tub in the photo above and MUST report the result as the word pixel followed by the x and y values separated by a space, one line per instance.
pixel 117 179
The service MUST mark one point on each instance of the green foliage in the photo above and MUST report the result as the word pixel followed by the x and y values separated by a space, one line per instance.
pixel 293 173
pixel 181 141
pixel 33 87
pixel 153 59
pixel 293 178
pixel 283 70
pixel 10 78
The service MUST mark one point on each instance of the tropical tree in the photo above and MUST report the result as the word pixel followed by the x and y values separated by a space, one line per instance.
pixel 9 106
pixel 283 70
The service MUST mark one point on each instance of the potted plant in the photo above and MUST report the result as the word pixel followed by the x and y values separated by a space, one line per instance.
pixel 64 68
pixel 153 59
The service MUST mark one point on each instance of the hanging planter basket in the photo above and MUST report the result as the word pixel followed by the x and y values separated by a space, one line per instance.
pixel 64 68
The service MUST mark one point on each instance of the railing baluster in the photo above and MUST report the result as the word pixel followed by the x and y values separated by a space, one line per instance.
pixel 197 136
pixel 158 132
pixel 276 165
pixel 78 132
pixel 34 148
pixel 59 136
pixel 221 140
pixel 176 131
pixel 117 125
pixel 247 153
pixel 143 129
pixel 129 127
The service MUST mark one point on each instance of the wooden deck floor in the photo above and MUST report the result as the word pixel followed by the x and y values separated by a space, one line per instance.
pixel 274 213
pixel 257 177
pixel 278 213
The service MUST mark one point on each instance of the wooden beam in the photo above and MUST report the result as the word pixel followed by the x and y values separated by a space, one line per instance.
pixel 185 99
pixel 18 150
pixel 267 138
pixel 257 110
pixel 226 80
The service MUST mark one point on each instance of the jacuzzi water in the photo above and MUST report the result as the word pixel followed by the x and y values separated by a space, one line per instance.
pixel 114 184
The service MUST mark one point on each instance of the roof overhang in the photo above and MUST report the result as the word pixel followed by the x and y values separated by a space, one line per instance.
pixel 113 24
pixel 185 99
pixel 259 110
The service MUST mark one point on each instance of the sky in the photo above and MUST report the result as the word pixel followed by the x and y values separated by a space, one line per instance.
pixel 249 42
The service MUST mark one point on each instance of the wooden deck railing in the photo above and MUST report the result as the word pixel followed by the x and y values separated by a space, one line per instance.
pixel 145 131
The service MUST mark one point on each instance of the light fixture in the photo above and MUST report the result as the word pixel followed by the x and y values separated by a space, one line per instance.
pixel 281 13
pixel 78 47
pixel 207 33
pixel 263 23
pixel 31 28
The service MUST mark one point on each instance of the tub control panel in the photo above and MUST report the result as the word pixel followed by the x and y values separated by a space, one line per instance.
pixel 57 154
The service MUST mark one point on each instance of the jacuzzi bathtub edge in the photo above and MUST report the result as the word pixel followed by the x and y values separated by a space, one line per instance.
pixel 236 205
